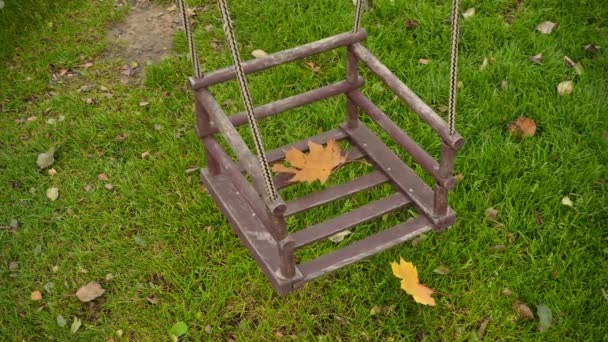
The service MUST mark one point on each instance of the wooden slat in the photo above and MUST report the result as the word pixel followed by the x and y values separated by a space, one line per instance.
pixel 350 219
pixel 292 102
pixel 419 155
pixel 280 57
pixel 363 249
pixel 249 228
pixel 401 175
pixel 414 102
pixel 336 192
pixel 275 224
pixel 234 140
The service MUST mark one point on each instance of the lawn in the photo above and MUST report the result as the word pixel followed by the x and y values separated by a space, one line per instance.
pixel 161 249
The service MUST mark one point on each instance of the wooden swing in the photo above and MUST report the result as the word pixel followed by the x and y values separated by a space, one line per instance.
pixel 256 211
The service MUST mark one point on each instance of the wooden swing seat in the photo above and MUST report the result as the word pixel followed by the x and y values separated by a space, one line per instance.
pixel 260 224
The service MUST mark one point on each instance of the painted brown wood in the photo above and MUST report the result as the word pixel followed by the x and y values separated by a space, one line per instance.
pixel 250 229
pixel 419 155
pixel 446 169
pixel 414 102
pixel 352 74
pixel 203 123
pixel 328 195
pixel 292 102
pixel 275 224
pixel 246 159
pixel 363 248
pixel 350 219
pixel 401 175
pixel 278 58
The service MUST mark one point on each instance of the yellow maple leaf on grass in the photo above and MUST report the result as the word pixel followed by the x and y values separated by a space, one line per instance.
pixel 406 271
pixel 316 165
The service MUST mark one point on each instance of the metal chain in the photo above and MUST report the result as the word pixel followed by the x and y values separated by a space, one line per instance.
pixel 183 10
pixel 357 19
pixel 455 27
pixel 236 59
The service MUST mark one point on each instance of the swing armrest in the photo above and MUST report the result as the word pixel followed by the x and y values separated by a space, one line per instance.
pixel 415 103
pixel 278 58
pixel 420 156
pixel 238 146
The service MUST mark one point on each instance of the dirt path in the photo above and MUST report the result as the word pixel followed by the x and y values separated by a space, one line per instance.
pixel 145 36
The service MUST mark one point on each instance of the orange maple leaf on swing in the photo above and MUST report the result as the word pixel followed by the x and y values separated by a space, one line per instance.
pixel 316 165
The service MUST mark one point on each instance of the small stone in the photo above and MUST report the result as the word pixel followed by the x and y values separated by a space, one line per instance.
pixel 109 186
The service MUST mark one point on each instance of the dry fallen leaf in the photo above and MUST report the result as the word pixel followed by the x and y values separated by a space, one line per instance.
pixel 36 295
pixel 567 202
pixel 75 325
pixel 482 327
pixel 442 269
pixel 469 13
pixel 316 165
pixel 102 177
pixel 525 127
pixel 545 317
pixel 510 237
pixel 537 59
pixel 569 62
pixel 592 48
pixel 419 239
pixel 145 154
pixel 312 66
pixel 339 237
pixel 537 218
pixel 259 53
pixel 484 64
pixel 423 61
pixel 152 300
pixel 89 292
pixel 546 27
pixel 498 249
pixel 52 193
pixel 564 88
pixel 52 172
pixel 523 311
pixel 410 24
pixel 507 292
pixel 46 159
pixel 491 214
pixel 408 274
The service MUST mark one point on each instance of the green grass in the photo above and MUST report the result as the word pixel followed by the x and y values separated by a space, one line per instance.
pixel 195 265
